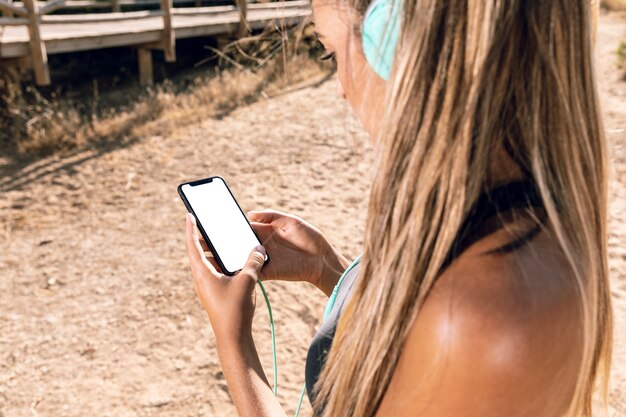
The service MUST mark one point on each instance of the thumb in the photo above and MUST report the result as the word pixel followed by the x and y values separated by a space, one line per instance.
pixel 255 262
pixel 264 216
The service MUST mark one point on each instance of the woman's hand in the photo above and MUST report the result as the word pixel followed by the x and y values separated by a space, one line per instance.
pixel 229 301
pixel 298 250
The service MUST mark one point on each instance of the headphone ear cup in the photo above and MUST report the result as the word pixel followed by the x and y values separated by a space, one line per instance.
pixel 369 45
pixel 379 35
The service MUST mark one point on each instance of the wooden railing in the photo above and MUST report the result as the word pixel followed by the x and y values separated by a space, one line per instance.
pixel 30 13
pixel 116 5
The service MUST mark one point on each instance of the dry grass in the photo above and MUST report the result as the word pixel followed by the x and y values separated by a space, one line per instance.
pixel 256 68
pixel 614 4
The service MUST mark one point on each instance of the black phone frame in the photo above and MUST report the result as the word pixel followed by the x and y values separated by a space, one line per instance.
pixel 203 232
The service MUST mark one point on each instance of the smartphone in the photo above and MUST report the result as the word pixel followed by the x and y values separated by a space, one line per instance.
pixel 221 222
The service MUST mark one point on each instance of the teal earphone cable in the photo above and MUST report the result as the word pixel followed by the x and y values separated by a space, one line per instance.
pixel 269 310
pixel 327 310
pixel 300 400
pixel 329 307
pixel 333 297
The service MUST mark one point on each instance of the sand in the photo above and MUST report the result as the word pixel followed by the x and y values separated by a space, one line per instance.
pixel 97 311
pixel 613 97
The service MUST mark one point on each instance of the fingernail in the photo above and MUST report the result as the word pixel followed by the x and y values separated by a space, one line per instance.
pixel 261 249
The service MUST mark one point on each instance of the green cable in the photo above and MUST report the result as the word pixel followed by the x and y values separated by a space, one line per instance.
pixel 329 307
pixel 269 309
pixel 327 310
pixel 300 400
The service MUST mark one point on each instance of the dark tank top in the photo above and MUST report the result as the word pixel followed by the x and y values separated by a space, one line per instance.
pixel 500 199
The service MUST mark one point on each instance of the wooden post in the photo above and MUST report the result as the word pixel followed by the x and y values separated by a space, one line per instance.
pixel 242 5
pixel 146 73
pixel 115 5
pixel 169 37
pixel 37 46
pixel 7 13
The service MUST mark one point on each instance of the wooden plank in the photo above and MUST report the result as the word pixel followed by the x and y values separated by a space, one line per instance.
pixel 100 17
pixel 91 4
pixel 13 50
pixel 111 41
pixel 9 9
pixel 94 35
pixel 88 4
pixel 169 38
pixel 114 5
pixel 14 21
pixel 140 14
pixel 230 28
pixel 51 6
pixel 146 71
pixel 37 46
pixel 138 3
pixel 211 10
pixel 285 5
pixel 280 5
pixel 287 21
pixel 202 31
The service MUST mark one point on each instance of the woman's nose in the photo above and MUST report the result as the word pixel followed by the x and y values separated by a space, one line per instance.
pixel 339 89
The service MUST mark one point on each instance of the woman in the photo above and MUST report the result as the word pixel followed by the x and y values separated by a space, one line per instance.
pixel 483 286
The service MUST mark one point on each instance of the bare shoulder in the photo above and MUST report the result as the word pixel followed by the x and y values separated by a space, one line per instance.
pixel 498 335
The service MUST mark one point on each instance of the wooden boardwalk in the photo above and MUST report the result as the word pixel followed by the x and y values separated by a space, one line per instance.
pixel 145 30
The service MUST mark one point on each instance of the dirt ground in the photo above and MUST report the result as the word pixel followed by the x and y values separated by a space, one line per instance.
pixel 97 311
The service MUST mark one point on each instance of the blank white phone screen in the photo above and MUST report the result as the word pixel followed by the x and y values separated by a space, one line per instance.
pixel 222 220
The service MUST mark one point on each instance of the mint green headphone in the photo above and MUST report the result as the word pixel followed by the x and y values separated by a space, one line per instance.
pixel 379 32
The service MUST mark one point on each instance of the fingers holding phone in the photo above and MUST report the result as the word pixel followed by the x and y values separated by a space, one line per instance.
pixel 205 246
pixel 300 251
pixel 228 300
pixel 208 254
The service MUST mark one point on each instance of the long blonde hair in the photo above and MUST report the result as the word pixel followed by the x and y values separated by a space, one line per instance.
pixel 470 76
